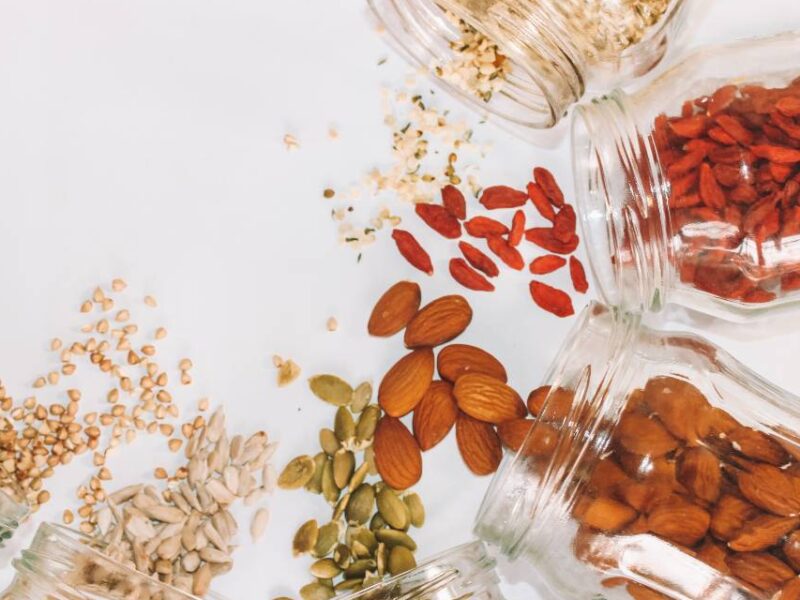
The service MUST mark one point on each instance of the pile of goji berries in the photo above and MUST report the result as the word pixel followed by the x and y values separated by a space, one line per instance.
pixel 733 161
pixel 474 268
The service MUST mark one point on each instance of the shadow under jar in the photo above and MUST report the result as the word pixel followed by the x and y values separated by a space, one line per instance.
pixel 63 564
pixel 688 190
pixel 463 572
pixel 658 467
pixel 528 61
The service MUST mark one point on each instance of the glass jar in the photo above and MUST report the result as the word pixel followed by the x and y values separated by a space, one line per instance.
pixel 62 564
pixel 688 190
pixel 528 61
pixel 463 572
pixel 13 510
pixel 658 466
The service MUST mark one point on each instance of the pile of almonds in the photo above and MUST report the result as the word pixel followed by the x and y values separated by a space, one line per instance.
pixel 367 535
pixel 472 393
pixel 690 474
pixel 502 240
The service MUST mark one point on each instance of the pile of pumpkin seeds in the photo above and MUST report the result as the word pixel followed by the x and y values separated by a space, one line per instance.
pixel 367 536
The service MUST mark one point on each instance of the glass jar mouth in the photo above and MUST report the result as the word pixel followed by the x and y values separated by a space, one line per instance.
pixel 526 101
pixel 13 512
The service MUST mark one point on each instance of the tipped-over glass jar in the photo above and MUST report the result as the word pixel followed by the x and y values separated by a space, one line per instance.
pixel 658 463
pixel 62 564
pixel 528 61
pixel 13 510
pixel 689 190
pixel 463 572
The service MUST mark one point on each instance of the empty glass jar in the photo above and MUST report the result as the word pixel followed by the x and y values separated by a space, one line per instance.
pixel 528 61
pixel 464 572
pixel 658 467
pixel 13 510
pixel 688 190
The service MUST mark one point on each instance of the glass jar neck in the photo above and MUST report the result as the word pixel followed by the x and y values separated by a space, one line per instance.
pixel 622 194
pixel 531 497
pixel 12 513
pixel 547 74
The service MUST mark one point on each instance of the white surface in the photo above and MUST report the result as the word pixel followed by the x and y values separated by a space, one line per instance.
pixel 143 140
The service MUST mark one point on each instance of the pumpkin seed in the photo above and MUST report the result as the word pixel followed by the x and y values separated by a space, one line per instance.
pixel 324 568
pixel 344 463
pixel 361 397
pixel 392 537
pixel 381 555
pixel 297 473
pixel 331 389
pixel 314 484
pixel 359 550
pixel 343 425
pixel 305 539
pixel 367 423
pixel 342 555
pixel 365 537
pixel 369 458
pixel 327 539
pixel 415 508
pixel 377 522
pixel 400 560
pixel 329 489
pixel 392 509
pixel 359 567
pixel 340 507
pixel 348 585
pixel 328 441
pixel 361 504
pixel 358 477
pixel 371 578
pixel 316 591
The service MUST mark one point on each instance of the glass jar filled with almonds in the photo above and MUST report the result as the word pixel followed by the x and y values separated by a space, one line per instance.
pixel 528 61
pixel 463 572
pixel 658 467
pixel 689 190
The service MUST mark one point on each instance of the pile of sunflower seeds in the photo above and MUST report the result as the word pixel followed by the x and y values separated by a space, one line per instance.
pixel 367 535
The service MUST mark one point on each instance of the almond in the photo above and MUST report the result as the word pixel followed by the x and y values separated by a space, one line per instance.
pixel 791 549
pixel 678 405
pixel 715 422
pixel 456 360
pixel 513 433
pixel 699 470
pixel 771 489
pixel 559 402
pixel 790 591
pixel 541 442
pixel 761 570
pixel 397 455
pixel 679 521
pixel 714 554
pixel 394 309
pixel 406 382
pixel 479 445
pixel 435 415
pixel 644 436
pixel 606 478
pixel 729 516
pixel 607 514
pixel 638 591
pixel 763 532
pixel 757 445
pixel 438 322
pixel 643 496
pixel 488 399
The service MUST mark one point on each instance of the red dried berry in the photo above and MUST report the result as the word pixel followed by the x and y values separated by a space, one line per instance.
pixel 551 299
pixel 547 182
pixel 564 224
pixel 478 259
pixel 484 227
pixel 540 201
pixel 502 196
pixel 469 277
pixel 543 237
pixel 439 219
pixel 517 229
pixel 411 250
pixel 546 264
pixel 454 202
pixel 710 191
pixel 578 275
pixel 508 254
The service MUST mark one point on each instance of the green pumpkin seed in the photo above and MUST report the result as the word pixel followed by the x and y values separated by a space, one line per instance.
pixel 364 536
pixel 305 539
pixel 415 508
pixel 328 441
pixel 359 550
pixel 377 522
pixel 401 559
pixel 348 585
pixel 359 567
pixel 392 538
pixel 381 556
pixel 324 568
pixel 371 578
pixel 316 591
pixel 327 539
pixel 340 507
pixel 297 473
pixel 361 396
pixel 331 389
pixel 361 504
pixel 367 422
pixel 329 488
pixel 392 509
pixel 343 425
pixel 344 463
pixel 342 556
pixel 314 485
pixel 358 477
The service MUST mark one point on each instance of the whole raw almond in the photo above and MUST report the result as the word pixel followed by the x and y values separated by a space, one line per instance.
pixel 394 309
pixel 435 415
pixel 644 436
pixel 760 569
pixel 763 532
pixel 757 445
pixel 771 489
pixel 478 444
pixel 679 521
pixel 438 322
pixel 559 402
pixel 406 382
pixel 791 591
pixel 678 404
pixel 607 514
pixel 397 454
pixel 637 591
pixel 699 470
pixel 729 515
pixel 791 549
pixel 515 435
pixel 456 360
pixel 488 399
pixel 714 554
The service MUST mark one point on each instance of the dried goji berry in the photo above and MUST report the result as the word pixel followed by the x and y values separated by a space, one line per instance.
pixel 790 281
pixel 508 254
pixel 564 224
pixel 688 162
pixel 578 275
pixel 690 126
pixel 718 134
pixel 484 227
pixel 546 264
pixel 758 295
pixel 710 191
pixel 478 259
pixel 454 202
pixel 778 154
pixel 547 182
pixel 684 201
pixel 543 237
pixel 502 196
pixel 411 250
pixel 540 201
pixel 789 106
pixel 551 299
pixel 469 277
pixel 439 219
pixel 734 128
pixel 786 124
pixel 721 99
pixel 517 229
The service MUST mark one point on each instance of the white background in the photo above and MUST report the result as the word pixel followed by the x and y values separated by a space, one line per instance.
pixel 143 140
